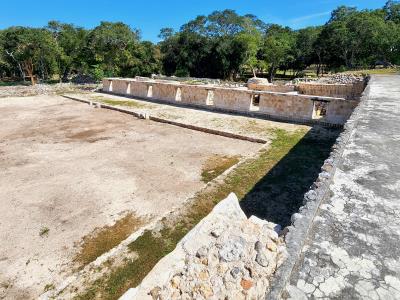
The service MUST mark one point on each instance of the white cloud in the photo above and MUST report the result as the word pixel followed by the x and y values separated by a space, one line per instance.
pixel 308 17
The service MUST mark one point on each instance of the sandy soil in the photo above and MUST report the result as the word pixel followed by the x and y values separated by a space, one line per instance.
pixel 70 168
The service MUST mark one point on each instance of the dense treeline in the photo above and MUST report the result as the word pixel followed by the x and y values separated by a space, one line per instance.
pixel 220 45
pixel 110 49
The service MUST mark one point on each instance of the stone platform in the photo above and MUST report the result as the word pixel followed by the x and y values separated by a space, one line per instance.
pixel 352 250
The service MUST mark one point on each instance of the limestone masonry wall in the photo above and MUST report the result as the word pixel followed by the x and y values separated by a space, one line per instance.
pixel 240 100
pixel 347 91
pixel 192 94
pixel 139 89
pixel 272 88
pixel 287 106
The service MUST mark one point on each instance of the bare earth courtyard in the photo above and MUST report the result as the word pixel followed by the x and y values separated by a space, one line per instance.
pixel 67 169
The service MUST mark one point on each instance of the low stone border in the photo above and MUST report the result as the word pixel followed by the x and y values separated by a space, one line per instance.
pixel 161 120
pixel 298 232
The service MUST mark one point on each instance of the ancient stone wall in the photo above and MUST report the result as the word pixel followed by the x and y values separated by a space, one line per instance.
pixel 192 94
pixel 338 112
pixel 165 92
pixel 287 106
pixel 272 88
pixel 347 91
pixel 139 89
pixel 232 98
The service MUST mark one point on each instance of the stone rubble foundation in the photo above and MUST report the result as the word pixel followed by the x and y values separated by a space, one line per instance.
pixel 226 256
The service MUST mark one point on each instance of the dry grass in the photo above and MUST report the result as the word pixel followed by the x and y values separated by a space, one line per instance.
pixel 102 240
pixel 216 165
pixel 385 71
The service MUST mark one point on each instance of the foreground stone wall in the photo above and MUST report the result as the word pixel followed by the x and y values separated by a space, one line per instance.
pixel 338 112
pixel 192 94
pixel 298 231
pixel 226 256
pixel 287 106
pixel 240 100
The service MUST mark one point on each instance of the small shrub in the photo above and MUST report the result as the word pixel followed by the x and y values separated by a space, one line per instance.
pixel 44 231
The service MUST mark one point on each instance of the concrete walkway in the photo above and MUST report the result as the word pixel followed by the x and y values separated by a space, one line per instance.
pixel 353 249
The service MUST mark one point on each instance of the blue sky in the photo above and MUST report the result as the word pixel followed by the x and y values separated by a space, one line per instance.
pixel 150 16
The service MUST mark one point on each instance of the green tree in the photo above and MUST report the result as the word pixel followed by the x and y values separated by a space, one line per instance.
pixel 304 50
pixel 392 10
pixel 277 45
pixel 71 41
pixel 219 45
pixel 251 38
pixel 33 50
pixel 111 46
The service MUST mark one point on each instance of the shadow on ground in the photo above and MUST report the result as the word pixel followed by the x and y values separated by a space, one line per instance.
pixel 279 194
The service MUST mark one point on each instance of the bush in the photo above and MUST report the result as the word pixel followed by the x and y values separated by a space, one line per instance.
pixel 97 72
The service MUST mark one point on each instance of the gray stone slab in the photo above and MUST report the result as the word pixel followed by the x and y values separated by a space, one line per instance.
pixel 353 247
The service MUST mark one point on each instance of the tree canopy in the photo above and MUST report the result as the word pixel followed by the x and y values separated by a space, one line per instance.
pixel 223 44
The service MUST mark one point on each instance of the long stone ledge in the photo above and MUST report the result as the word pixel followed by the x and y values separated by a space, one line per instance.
pixel 285 106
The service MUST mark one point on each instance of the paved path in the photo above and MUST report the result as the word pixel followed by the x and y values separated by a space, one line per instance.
pixel 353 250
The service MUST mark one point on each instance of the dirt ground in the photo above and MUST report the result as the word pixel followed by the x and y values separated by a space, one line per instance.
pixel 66 169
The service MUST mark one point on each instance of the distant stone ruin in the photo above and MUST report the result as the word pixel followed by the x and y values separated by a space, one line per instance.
pixel 306 103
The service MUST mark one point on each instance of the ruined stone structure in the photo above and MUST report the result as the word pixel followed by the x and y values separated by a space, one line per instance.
pixel 226 256
pixel 343 243
pixel 286 105
pixel 348 91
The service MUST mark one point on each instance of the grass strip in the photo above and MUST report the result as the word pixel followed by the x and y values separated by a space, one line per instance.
pixel 128 103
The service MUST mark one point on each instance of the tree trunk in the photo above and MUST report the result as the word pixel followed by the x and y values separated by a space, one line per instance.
pixel 28 66
pixel 271 74
pixel 254 72
pixel 18 63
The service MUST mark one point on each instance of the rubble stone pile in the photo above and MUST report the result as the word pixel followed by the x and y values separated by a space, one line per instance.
pixel 226 256
pixel 341 79
pixel 333 79
pixel 45 89
pixel 255 82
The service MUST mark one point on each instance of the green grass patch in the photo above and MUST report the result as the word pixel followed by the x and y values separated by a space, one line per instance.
pixel 216 165
pixel 102 240
pixel 243 181
pixel 44 232
pixel 128 103
pixel 49 287
pixel 384 71
pixel 14 83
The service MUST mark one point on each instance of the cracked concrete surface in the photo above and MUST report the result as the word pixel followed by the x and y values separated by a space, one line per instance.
pixel 352 251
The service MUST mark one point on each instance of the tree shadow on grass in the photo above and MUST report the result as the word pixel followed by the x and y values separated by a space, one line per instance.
pixel 279 194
